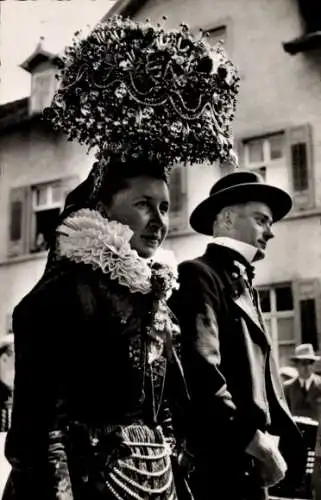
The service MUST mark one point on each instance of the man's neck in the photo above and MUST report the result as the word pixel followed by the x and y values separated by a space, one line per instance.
pixel 247 251
pixel 306 381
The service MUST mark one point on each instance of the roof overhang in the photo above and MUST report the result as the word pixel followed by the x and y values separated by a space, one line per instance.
pixel 126 8
pixel 39 56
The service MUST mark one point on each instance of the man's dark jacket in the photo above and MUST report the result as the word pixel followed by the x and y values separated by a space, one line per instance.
pixel 231 374
pixel 304 403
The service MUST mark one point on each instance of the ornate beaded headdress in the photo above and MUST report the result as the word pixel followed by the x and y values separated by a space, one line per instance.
pixel 133 89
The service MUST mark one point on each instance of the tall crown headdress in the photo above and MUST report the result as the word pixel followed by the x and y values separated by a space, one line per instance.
pixel 132 89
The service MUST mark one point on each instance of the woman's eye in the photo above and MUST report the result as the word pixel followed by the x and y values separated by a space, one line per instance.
pixel 142 203
pixel 164 209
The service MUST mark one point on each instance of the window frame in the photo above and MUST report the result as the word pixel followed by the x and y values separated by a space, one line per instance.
pixel 302 289
pixel 303 200
pixel 51 204
pixel 274 315
pixel 24 247
pixel 266 151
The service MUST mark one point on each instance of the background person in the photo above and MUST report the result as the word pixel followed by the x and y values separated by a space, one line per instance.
pixel 303 393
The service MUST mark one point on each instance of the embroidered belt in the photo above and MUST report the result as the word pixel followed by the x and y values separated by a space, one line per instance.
pixel 146 470
pixel 130 462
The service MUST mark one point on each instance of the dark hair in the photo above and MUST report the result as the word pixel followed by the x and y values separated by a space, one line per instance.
pixel 118 174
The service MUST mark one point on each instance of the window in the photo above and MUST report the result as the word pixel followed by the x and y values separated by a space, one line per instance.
pixel 300 173
pixel 299 140
pixel 34 211
pixel 47 202
pixel 308 293
pixel 277 306
pixel 291 314
pixel 264 149
pixel 178 217
pixel 44 85
pixel 283 159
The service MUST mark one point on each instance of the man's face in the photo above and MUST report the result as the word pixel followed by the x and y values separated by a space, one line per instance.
pixel 252 224
pixel 305 368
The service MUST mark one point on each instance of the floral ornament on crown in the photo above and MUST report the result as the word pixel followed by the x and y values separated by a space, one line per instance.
pixel 131 88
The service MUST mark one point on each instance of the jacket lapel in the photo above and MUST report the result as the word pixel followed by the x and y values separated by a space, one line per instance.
pixel 245 303
pixel 231 273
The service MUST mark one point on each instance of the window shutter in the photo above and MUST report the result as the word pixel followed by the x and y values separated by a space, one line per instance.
pixel 300 164
pixel 18 220
pixel 308 311
pixel 178 199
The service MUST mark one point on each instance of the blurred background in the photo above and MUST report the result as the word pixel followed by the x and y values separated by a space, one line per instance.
pixel 277 46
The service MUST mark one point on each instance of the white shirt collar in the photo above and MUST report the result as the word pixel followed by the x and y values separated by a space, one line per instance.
pixel 306 382
pixel 246 250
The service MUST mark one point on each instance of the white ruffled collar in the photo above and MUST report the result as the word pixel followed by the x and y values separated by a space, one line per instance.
pixel 88 237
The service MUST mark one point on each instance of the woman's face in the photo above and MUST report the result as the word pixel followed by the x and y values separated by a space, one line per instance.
pixel 143 205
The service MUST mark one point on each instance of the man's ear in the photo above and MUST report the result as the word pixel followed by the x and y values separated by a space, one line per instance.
pixel 228 217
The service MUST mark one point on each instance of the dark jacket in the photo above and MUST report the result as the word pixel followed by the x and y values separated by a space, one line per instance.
pixel 76 373
pixel 230 370
pixel 316 477
pixel 304 403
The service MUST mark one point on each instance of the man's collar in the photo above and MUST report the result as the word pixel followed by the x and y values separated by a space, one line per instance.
pixel 307 382
pixel 230 258
pixel 247 251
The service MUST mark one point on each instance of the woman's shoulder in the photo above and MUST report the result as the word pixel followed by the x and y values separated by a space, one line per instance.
pixel 57 290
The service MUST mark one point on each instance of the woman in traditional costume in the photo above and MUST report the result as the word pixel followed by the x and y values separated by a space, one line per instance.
pixel 100 401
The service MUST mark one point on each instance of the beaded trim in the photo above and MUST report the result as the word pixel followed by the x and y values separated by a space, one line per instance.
pixel 138 482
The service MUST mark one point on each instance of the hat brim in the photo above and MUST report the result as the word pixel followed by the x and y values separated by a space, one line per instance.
pixel 306 358
pixel 203 216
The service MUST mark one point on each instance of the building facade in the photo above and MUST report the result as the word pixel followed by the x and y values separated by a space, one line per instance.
pixel 277 132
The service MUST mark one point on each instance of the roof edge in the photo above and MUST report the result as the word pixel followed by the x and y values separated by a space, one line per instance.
pixel 127 8
pixel 39 51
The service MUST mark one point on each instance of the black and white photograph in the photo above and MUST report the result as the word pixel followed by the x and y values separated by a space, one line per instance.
pixel 160 249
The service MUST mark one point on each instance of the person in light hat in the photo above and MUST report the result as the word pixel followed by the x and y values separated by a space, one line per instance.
pixel 239 411
pixel 304 392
